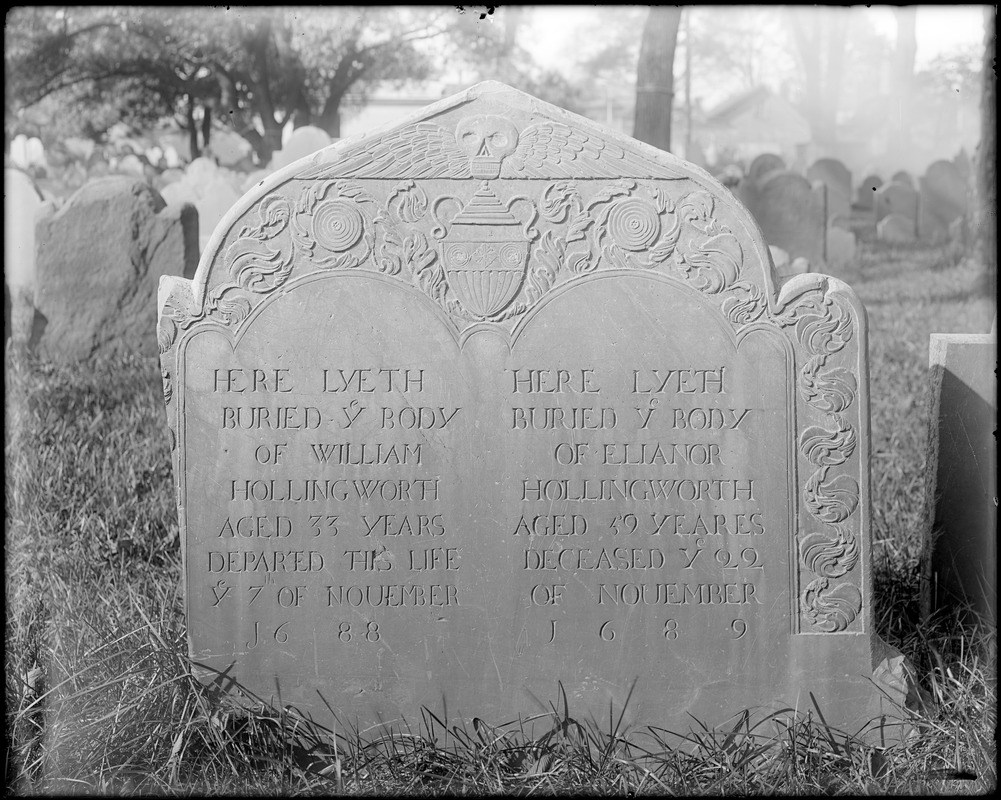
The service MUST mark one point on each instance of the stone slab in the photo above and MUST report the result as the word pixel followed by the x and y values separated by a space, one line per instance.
pixel 838 179
pixel 792 214
pixel 763 164
pixel 99 260
pixel 866 191
pixel 895 198
pixel 961 488
pixel 496 401
pixel 896 229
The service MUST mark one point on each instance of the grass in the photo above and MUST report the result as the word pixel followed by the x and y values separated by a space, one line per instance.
pixel 99 698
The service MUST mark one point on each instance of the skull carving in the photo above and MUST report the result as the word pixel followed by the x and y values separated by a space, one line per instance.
pixel 486 139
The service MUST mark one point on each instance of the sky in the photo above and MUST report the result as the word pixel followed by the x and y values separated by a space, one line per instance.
pixel 939 29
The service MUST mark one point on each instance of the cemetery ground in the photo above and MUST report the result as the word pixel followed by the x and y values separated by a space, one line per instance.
pixel 99 699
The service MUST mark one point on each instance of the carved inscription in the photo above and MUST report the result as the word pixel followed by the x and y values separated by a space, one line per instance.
pixel 494 398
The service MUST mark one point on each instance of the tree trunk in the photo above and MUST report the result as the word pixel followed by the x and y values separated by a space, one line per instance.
pixel 189 112
pixel 206 125
pixel 902 89
pixel 655 77
pixel 987 159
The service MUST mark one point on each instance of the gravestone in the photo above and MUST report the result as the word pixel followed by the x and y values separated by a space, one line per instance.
pixel 961 478
pixel 763 164
pixel 841 247
pixel 791 212
pixel 943 200
pixel 99 260
pixel 498 400
pixel 896 229
pixel 838 179
pixel 22 204
pixel 896 198
pixel 904 177
pixel 867 190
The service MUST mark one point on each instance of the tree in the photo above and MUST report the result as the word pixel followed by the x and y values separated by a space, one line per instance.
pixel 655 76
pixel 257 68
pixel 820 37
pixel 987 156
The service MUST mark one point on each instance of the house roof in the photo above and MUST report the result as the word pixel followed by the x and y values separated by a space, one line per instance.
pixel 726 111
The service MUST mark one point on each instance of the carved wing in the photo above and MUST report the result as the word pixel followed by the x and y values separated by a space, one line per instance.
pixel 555 150
pixel 422 150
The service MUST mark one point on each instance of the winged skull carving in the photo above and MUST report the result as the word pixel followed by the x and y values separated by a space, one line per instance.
pixel 488 146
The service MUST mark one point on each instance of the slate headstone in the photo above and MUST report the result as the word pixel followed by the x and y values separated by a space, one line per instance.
pixel 498 401
pixel 961 483
pixel 100 258
pixel 763 164
pixel 838 179
pixel 867 190
pixel 791 212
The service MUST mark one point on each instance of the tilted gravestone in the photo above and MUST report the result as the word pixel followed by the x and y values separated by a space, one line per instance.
pixel 838 179
pixel 943 200
pixel 763 164
pixel 99 260
pixel 496 400
pixel 867 190
pixel 961 478
pixel 792 214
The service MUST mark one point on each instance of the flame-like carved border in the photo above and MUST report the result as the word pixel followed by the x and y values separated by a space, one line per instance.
pixel 577 228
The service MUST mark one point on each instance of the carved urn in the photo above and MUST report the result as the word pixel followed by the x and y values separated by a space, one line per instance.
pixel 484 254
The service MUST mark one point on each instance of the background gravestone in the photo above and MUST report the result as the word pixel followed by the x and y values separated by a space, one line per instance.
pixel 896 198
pixel 896 229
pixel 838 179
pixel 867 190
pixel 904 177
pixel 791 212
pixel 99 259
pixel 22 204
pixel 961 478
pixel 499 400
pixel 763 164
pixel 943 200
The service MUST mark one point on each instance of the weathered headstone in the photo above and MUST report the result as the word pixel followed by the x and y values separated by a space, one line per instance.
pixel 99 259
pixel 838 179
pixel 896 229
pixel 896 198
pixel 763 164
pixel 961 484
pixel 499 400
pixel 867 190
pixel 791 212
pixel 943 200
